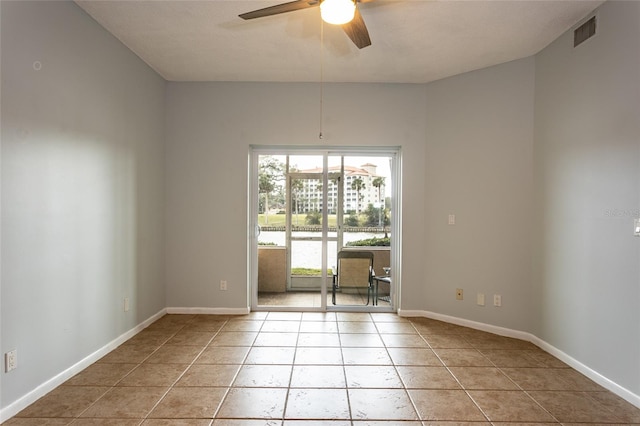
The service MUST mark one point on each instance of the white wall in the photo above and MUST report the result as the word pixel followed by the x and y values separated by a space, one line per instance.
pixel 210 127
pixel 479 166
pixel 587 165
pixel 467 149
pixel 82 190
pixel 529 155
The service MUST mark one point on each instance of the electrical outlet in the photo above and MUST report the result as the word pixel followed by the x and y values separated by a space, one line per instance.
pixel 452 219
pixel 480 299
pixel 497 300
pixel 11 360
pixel 459 294
pixel 126 304
pixel 223 285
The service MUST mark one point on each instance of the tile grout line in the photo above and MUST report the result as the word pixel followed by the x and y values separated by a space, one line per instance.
pixel 456 378
pixel 235 376
pixel 501 372
pixel 186 369
pixel 114 386
pixel 293 362
pixel 413 403
pixel 344 370
pixel 520 387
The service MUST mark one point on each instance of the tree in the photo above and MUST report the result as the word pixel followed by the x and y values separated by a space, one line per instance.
pixel 270 171
pixel 317 202
pixel 296 191
pixel 372 215
pixel 358 185
pixel 313 218
pixel 334 181
pixel 379 183
pixel 352 220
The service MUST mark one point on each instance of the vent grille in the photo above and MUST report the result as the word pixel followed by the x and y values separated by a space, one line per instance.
pixel 584 32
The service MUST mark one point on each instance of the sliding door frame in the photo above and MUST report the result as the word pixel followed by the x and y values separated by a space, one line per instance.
pixel 253 229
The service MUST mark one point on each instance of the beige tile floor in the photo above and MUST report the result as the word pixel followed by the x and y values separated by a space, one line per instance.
pixel 334 369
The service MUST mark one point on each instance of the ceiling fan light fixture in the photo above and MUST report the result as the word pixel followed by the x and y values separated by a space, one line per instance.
pixel 337 12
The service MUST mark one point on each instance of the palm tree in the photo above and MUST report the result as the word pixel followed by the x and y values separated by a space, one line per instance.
pixel 270 172
pixel 379 183
pixel 358 185
pixel 318 201
pixel 296 190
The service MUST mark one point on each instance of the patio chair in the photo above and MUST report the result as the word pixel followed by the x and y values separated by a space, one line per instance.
pixel 354 269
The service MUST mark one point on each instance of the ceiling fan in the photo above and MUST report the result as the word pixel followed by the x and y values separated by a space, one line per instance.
pixel 350 19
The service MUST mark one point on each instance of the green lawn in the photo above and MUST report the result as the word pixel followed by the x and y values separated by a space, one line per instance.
pixel 296 219
pixel 309 272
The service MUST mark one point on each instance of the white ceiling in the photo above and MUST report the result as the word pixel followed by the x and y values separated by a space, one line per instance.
pixel 413 41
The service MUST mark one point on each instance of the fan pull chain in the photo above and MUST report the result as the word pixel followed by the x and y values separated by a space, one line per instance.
pixel 320 136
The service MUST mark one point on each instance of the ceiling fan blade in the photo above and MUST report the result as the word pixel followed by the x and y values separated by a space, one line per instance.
pixel 357 31
pixel 280 8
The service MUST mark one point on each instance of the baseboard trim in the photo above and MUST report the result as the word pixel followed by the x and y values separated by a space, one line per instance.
pixel 46 387
pixel 603 381
pixel 502 331
pixel 209 311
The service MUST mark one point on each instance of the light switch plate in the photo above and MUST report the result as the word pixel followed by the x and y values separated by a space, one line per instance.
pixel 636 227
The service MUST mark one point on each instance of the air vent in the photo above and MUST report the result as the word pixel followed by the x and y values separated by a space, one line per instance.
pixel 584 31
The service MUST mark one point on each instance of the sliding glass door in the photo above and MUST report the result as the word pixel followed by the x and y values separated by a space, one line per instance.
pixel 307 206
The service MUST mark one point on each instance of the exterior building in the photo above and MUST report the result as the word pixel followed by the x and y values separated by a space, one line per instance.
pixel 311 190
